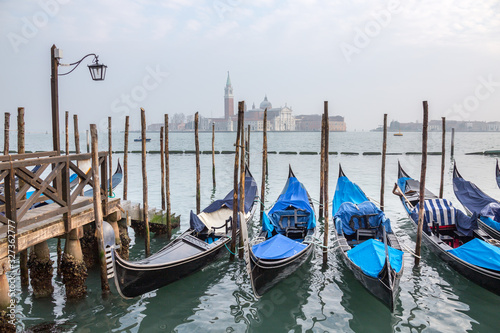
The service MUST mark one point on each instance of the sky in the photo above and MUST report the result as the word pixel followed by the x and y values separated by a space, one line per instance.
pixel 365 58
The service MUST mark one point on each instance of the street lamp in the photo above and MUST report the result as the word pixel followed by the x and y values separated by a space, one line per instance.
pixel 97 72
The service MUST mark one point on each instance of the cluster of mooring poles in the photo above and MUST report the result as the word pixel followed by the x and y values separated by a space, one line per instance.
pixel 84 245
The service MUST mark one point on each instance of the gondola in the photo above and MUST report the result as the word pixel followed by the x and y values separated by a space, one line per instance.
pixel 366 242
pixel 452 235
pixel 115 180
pixel 498 175
pixel 476 201
pixel 285 240
pixel 205 241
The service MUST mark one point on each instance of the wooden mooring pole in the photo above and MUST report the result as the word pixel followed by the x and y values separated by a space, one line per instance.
pixel 167 179
pixel 248 146
pixel 162 169
pixel 264 166
pixel 88 142
pixel 23 255
pixel 234 223
pixel 443 151
pixel 98 210
pixel 321 168
pixel 77 134
pixel 145 206
pixel 125 159
pixel 384 152
pixel 325 188
pixel 213 155
pixel 423 169
pixel 6 134
pixel 241 198
pixel 452 151
pixel 66 126
pixel 198 180
pixel 110 163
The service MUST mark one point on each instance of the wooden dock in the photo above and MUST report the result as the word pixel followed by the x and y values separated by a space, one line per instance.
pixel 34 228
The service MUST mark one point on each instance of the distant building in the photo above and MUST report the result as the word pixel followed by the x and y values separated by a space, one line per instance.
pixel 278 119
pixel 228 99
pixel 312 122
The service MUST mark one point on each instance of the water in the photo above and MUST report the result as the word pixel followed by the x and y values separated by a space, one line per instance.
pixel 432 297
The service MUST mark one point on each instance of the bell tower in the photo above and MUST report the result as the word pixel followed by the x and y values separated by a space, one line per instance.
pixel 228 99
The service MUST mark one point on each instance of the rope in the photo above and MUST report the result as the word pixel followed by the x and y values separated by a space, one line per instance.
pixel 234 254
pixel 411 252
pixel 112 195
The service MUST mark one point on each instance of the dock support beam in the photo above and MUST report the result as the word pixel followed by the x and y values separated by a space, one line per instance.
pixel 124 238
pixel 41 270
pixel 73 268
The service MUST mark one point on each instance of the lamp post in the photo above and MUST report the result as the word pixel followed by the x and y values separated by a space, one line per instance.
pixel 97 72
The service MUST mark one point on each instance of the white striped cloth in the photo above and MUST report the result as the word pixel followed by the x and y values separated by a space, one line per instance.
pixel 439 210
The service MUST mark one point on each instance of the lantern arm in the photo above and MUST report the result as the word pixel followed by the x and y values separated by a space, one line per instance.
pixel 96 57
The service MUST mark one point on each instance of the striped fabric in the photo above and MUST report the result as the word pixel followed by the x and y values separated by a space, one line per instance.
pixel 439 210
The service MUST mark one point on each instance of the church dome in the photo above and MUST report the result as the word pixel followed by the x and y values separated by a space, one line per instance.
pixel 265 104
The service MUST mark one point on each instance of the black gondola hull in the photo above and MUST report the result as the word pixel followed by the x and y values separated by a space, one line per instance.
pixel 267 273
pixel 134 280
pixel 381 287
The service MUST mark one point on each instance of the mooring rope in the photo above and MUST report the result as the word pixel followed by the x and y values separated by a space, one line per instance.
pixel 411 252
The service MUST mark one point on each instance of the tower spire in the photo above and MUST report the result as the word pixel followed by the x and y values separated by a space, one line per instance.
pixel 228 82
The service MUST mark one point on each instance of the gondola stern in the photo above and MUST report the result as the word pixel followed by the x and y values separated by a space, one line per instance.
pixel 341 172
pixel 290 172
pixel 401 172
pixel 456 174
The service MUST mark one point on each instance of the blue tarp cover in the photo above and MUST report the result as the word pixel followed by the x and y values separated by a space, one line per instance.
pixel 293 196
pixel 347 191
pixel 343 217
pixel 490 222
pixel 470 195
pixel 277 247
pixel 370 257
pixel 490 214
pixel 479 253
pixel 250 193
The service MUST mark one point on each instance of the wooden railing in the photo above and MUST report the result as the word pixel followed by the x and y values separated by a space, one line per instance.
pixel 19 173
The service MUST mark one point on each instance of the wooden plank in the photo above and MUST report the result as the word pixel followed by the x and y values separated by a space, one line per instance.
pixel 14 157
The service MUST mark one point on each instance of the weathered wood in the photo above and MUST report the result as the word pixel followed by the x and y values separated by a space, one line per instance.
pixel 198 180
pixel 54 98
pixel 98 211
pixel 145 184
pixel 423 170
pixel 248 147
pixel 443 151
pixel 77 133
pixel 264 166
pixel 162 169
pixel 242 185
pixel 88 142
pixel 125 159
pixel 14 157
pixel 167 179
pixel 6 135
pixel 321 168
pixel 110 154
pixel 213 154
pixel 325 187
pixel 452 151
pixel 23 255
pixel 234 224
pixel 66 132
pixel 384 154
